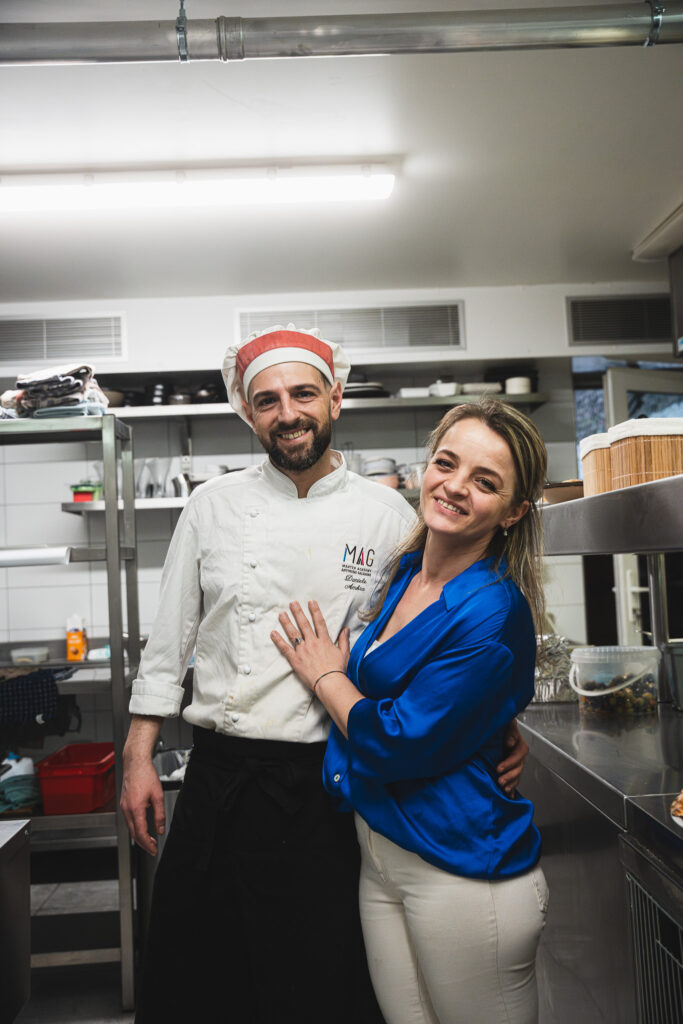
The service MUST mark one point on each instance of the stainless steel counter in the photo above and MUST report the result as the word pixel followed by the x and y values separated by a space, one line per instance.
pixel 602 790
pixel 628 768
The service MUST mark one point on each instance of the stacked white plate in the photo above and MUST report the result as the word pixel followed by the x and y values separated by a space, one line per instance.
pixel 482 387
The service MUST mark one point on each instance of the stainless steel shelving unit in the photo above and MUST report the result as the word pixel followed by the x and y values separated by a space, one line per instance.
pixel 645 519
pixel 105 828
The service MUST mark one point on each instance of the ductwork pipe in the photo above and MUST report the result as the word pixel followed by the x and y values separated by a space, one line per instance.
pixel 225 39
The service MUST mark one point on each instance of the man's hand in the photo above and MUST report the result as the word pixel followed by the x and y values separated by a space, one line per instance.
pixel 141 786
pixel 510 769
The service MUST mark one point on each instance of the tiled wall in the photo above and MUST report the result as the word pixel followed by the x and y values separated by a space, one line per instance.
pixel 35 479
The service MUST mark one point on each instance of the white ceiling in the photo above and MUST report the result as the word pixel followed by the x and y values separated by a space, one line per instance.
pixel 517 168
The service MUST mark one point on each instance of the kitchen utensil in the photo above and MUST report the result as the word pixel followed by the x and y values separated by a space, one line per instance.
pixel 156 392
pixel 482 387
pixel 115 398
pixel 413 392
pixel 179 398
pixel 181 485
pixel 388 480
pixel 444 388
pixel 205 394
pixel 159 470
pixel 411 476
pixel 365 389
pixel 354 459
pixel 379 467
pixel 518 385
pixel 142 478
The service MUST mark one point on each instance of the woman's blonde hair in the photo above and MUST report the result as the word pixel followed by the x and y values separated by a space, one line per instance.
pixel 522 547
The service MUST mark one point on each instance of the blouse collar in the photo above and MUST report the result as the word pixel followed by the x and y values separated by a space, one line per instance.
pixel 475 576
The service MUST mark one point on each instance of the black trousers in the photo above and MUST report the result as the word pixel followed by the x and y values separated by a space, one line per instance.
pixel 254 915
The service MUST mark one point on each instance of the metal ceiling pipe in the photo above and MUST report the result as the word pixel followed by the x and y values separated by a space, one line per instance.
pixel 225 39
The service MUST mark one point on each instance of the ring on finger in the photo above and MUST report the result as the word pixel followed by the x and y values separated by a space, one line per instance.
pixel 297 640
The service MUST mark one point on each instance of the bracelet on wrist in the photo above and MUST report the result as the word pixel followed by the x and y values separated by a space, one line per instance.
pixel 330 672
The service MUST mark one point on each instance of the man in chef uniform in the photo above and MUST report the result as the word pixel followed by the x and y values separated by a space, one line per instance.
pixel 254 915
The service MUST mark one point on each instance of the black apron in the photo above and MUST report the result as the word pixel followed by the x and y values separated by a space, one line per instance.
pixel 254 915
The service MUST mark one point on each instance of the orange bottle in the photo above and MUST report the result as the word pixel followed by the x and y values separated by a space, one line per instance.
pixel 76 639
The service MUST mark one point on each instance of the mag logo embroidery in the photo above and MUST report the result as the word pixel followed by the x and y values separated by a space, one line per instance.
pixel 356 566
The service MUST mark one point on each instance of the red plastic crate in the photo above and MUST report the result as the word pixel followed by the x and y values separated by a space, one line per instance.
pixel 77 778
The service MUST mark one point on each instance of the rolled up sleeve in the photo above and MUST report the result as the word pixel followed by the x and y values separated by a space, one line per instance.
pixel 449 708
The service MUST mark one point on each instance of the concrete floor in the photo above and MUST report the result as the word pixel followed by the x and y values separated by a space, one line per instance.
pixel 75 995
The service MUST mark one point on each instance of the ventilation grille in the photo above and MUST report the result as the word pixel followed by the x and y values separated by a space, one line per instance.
pixel 372 328
pixel 658 955
pixel 635 318
pixel 82 339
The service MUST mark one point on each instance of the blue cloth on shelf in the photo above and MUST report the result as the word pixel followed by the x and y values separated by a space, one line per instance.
pixel 19 791
pixel 31 697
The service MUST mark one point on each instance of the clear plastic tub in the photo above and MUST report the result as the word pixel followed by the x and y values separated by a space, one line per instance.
pixel 614 681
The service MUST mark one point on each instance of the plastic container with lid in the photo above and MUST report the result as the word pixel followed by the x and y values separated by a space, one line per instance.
pixel 596 463
pixel 615 680
pixel 645 450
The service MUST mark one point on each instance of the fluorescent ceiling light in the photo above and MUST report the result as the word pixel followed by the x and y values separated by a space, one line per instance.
pixel 147 190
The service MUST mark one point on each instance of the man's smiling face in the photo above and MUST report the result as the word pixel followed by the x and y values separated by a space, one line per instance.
pixel 291 408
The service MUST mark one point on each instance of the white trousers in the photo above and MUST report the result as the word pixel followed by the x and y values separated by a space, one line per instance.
pixel 444 949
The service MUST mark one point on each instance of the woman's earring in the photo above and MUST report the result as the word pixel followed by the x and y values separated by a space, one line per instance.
pixel 505 531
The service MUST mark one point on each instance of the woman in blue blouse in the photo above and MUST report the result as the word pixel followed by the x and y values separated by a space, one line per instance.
pixel 452 898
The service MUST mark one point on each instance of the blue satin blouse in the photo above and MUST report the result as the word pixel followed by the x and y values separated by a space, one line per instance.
pixel 420 761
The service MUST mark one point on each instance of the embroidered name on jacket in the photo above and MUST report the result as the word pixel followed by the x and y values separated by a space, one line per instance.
pixel 357 566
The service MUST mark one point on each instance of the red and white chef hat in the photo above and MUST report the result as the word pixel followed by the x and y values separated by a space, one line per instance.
pixel 262 349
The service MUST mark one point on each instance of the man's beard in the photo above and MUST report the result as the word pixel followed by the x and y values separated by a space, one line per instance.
pixel 306 457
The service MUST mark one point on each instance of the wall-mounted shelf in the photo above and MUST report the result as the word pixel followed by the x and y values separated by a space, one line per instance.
pixel 80 508
pixel 63 555
pixel 148 412
pixel 645 519
pixel 64 429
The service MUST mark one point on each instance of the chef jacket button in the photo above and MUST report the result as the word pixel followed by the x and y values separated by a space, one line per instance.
pixel 252 617
pixel 235 718
pixel 246 669
pixel 253 514
pixel 337 778
pixel 253 563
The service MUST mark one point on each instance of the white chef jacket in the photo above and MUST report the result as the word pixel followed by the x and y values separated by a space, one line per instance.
pixel 244 547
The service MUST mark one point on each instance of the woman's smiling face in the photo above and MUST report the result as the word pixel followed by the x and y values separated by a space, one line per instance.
pixel 468 488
